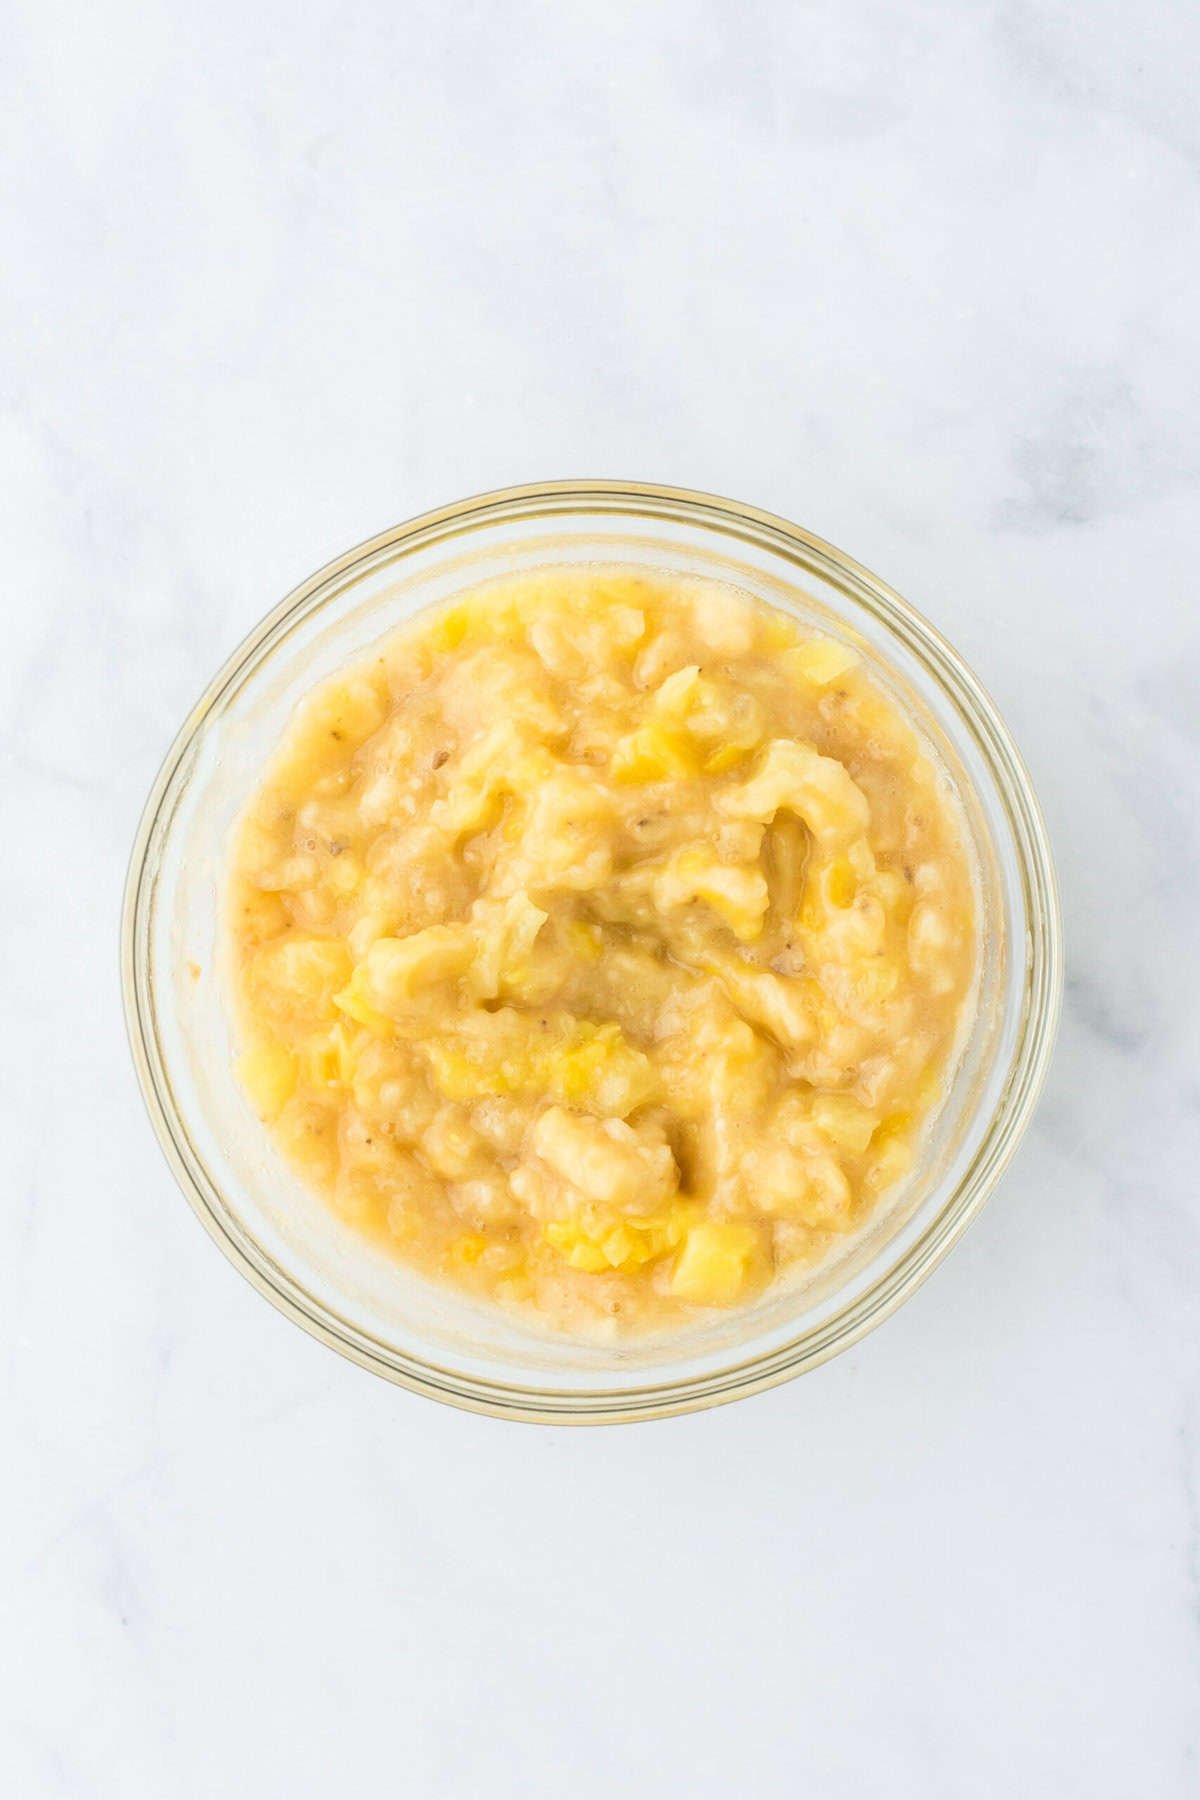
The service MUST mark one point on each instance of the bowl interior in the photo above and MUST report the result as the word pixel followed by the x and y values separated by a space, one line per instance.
pixel 367 1303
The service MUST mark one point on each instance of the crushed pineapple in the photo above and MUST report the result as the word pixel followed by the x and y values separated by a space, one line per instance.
pixel 714 1264
pixel 572 1061
pixel 268 1073
pixel 654 752
pixel 601 945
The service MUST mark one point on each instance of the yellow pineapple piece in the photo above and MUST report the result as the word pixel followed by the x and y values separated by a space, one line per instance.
pixel 844 1121
pixel 572 1061
pixel 595 1239
pixel 268 1072
pixel 459 1075
pixel 354 1000
pixel 572 1242
pixel 586 940
pixel 673 698
pixel 348 712
pixel 467 1250
pixel 818 660
pixel 655 752
pixel 777 631
pixel 891 1152
pixel 448 630
pixel 328 1059
pixel 888 1162
pixel 715 1263
pixel 602 1072
pixel 726 757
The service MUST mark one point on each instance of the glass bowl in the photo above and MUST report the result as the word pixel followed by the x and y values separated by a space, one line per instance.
pixel 286 1240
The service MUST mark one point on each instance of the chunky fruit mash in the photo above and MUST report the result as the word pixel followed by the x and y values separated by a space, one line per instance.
pixel 601 943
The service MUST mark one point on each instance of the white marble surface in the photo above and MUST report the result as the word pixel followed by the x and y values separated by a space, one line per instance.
pixel 921 275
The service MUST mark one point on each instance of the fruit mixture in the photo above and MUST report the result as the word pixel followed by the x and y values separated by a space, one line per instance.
pixel 601 944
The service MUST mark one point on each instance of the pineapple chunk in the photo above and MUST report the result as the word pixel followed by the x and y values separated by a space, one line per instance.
pixel 586 940
pixel 674 697
pixel 818 660
pixel 268 1072
pixel 581 1251
pixel 728 756
pixel 595 1241
pixel 715 1263
pixel 328 1059
pixel 570 1061
pixel 844 1121
pixel 689 706
pixel 891 1153
pixel 603 1072
pixel 354 1001
pixel 466 1251
pixel 450 627
pixel 348 712
pixel 655 752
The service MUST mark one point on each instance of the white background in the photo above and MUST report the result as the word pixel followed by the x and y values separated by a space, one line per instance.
pixel 920 275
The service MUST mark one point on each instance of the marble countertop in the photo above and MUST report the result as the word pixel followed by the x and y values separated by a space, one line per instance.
pixel 921 276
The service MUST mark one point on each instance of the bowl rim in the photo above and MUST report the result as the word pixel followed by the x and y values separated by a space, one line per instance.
pixel 1031 1056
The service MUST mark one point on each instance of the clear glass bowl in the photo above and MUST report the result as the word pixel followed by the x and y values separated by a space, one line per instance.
pixel 288 1242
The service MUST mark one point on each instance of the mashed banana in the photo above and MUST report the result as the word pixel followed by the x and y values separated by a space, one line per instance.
pixel 601 944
